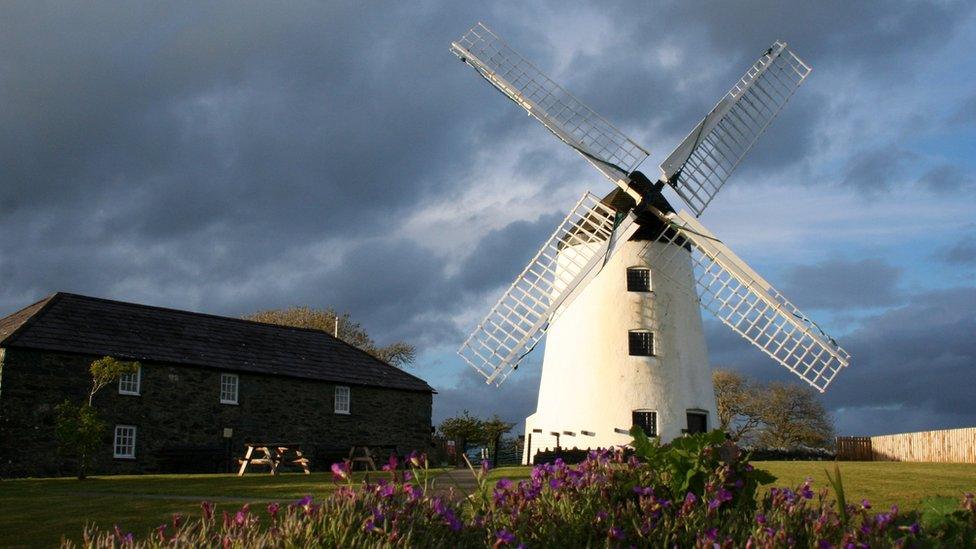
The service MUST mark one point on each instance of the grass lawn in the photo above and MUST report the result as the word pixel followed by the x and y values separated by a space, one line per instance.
pixel 36 512
pixel 911 486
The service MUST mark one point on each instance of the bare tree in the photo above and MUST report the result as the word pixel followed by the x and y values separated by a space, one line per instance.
pixel 739 404
pixel 399 354
pixel 793 415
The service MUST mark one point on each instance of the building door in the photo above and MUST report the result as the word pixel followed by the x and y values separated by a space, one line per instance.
pixel 697 422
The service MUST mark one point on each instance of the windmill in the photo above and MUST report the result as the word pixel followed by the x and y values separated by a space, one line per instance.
pixel 620 284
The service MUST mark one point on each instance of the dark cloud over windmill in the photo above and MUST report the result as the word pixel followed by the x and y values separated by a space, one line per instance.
pixel 237 156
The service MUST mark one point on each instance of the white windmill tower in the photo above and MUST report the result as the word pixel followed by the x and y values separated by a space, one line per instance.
pixel 619 284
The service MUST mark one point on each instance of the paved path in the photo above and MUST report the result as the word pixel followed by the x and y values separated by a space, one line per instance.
pixel 461 480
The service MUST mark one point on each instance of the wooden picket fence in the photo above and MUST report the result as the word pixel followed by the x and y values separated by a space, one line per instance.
pixel 944 446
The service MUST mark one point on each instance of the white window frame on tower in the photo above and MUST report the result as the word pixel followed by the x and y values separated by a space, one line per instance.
pixel 131 383
pixel 653 413
pixel 229 388
pixel 653 351
pixel 342 400
pixel 124 442
pixel 650 282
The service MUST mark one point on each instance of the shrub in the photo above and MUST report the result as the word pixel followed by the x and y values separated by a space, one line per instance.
pixel 697 491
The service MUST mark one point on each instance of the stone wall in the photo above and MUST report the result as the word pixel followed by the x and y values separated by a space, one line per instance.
pixel 179 407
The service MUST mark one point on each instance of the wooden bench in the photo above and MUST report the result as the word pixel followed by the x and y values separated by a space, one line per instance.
pixel 275 455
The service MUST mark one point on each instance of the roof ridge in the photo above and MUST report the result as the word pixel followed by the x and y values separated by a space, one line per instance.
pixel 234 320
pixel 47 301
pixel 197 313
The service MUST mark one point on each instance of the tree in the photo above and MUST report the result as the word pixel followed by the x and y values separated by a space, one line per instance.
pixel 399 354
pixel 793 415
pixel 492 431
pixel 79 427
pixel 462 429
pixel 739 404
pixel 781 415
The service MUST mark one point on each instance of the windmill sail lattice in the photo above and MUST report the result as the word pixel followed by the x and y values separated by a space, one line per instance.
pixel 745 302
pixel 612 152
pixel 701 164
pixel 569 259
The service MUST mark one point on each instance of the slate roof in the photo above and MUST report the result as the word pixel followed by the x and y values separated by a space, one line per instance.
pixel 78 324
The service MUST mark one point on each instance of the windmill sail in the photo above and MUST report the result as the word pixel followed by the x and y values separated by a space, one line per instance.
pixel 558 272
pixel 745 302
pixel 603 145
pixel 700 165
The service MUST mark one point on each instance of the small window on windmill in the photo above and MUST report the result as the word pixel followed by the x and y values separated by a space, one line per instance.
pixel 638 279
pixel 641 343
pixel 646 420
pixel 697 422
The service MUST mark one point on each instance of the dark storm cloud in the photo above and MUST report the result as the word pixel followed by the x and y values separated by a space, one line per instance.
pixel 962 252
pixel 875 170
pixel 913 367
pixel 839 284
pixel 236 156
pixel 920 358
pixel 944 178
pixel 502 253
pixel 513 401
pixel 966 113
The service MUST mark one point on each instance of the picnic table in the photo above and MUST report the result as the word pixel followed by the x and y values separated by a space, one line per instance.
pixel 274 455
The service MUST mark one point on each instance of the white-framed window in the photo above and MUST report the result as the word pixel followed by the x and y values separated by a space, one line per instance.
pixel 640 343
pixel 646 420
pixel 341 399
pixel 228 388
pixel 638 279
pixel 125 442
pixel 130 383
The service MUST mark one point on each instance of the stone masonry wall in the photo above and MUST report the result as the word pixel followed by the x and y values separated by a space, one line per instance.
pixel 179 407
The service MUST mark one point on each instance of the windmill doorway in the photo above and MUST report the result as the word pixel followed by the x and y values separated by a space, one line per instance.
pixel 697 422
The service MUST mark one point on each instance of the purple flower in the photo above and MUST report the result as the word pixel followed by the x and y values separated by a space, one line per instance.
pixel 865 504
pixel 208 509
pixel 273 509
pixel 386 490
pixel 485 466
pixel 392 463
pixel 304 501
pixel 340 471
pixel 712 534
pixel 760 518
pixel 504 537
pixel 452 521
pixel 503 484
pixel 555 483
pixel 805 490
pixel 644 491
pixel 615 533
pixel 240 518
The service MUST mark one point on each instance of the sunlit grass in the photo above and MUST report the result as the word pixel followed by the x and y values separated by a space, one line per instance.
pixel 36 512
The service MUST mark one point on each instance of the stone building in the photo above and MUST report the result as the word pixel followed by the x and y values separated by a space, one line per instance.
pixel 207 384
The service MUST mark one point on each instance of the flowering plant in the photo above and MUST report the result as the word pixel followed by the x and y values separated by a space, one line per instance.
pixel 698 491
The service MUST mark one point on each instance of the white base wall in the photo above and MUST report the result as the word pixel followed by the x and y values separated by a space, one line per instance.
pixel 591 385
